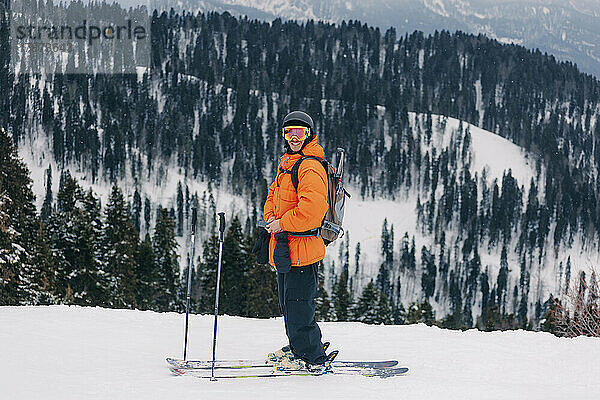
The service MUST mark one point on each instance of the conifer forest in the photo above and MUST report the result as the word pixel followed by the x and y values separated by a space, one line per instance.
pixel 486 252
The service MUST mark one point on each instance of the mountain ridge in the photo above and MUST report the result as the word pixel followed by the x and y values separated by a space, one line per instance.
pixel 566 30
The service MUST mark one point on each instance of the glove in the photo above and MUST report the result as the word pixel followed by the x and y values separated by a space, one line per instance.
pixel 261 247
pixel 281 255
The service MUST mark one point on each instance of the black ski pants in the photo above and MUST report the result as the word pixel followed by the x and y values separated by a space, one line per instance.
pixel 297 291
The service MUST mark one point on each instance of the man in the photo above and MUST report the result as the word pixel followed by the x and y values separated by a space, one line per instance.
pixel 293 218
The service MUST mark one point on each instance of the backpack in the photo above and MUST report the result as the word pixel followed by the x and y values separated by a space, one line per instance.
pixel 331 227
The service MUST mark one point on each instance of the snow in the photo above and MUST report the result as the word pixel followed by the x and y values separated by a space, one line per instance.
pixel 508 40
pixel 436 6
pixel 364 222
pixel 479 101
pixel 292 10
pixel 487 146
pixel 364 218
pixel 62 352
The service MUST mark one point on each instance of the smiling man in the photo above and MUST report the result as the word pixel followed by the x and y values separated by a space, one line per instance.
pixel 293 218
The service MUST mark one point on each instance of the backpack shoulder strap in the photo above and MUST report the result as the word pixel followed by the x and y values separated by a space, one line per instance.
pixel 296 168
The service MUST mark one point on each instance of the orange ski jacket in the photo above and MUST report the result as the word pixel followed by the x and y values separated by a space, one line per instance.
pixel 302 210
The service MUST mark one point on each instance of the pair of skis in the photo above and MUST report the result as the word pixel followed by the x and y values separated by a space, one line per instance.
pixel 260 369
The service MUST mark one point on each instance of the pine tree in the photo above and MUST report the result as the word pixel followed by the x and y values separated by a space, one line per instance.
pixel 136 210
pixel 472 279
pixel 73 241
pixel 365 309
pixel 47 205
pixel 234 270
pixel 323 309
pixel 41 289
pixel 412 261
pixel 58 241
pixel 387 249
pixel 119 243
pixel 372 307
pixel 491 318
pixel 420 313
pixel 89 281
pixel 524 286
pixel 147 214
pixel 485 294
pixel 261 300
pixel 429 272
pixel 384 311
pixel 398 313
pixel 205 282
pixel 341 297
pixel 168 297
pixel 180 209
pixel 568 275
pixel 18 223
pixel 147 289
pixel 502 281
pixel 9 257
pixel 235 267
pixel 404 252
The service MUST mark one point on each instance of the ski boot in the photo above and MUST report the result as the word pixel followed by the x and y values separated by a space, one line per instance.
pixel 276 356
pixel 285 352
pixel 288 365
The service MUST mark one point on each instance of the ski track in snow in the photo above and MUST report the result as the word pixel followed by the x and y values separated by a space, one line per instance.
pixel 62 352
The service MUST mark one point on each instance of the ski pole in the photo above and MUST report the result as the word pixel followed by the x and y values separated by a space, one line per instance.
pixel 189 282
pixel 221 230
pixel 340 168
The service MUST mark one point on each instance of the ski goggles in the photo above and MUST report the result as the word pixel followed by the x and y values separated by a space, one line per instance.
pixel 300 132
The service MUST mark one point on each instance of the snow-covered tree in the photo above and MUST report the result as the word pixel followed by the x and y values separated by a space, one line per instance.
pixel 42 287
pixel 18 221
pixel 365 309
pixel 119 243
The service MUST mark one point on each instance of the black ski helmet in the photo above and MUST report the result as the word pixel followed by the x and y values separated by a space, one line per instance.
pixel 299 118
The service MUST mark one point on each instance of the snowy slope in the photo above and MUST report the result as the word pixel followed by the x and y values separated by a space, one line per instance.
pixel 62 352
pixel 490 154
pixel 364 217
